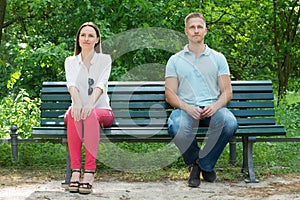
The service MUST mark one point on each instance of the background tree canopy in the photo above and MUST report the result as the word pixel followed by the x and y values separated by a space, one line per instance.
pixel 260 39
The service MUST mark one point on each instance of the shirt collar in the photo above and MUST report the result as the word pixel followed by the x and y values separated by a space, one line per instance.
pixel 93 60
pixel 206 52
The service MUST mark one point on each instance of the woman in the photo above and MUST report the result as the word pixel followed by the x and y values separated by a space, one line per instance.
pixel 87 74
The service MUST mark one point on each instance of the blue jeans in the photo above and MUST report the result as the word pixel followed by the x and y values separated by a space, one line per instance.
pixel 182 128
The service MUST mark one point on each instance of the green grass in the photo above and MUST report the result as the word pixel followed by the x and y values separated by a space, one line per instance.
pixel 49 160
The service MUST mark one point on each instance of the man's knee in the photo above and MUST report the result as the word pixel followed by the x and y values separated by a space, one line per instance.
pixel 174 126
pixel 231 125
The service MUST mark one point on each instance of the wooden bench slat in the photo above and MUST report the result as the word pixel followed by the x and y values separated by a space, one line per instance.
pixel 52 123
pixel 252 88
pixel 157 97
pixel 148 104
pixel 55 90
pixel 157 123
pixel 55 106
pixel 262 130
pixel 154 89
pixel 252 96
pixel 56 97
pixel 253 113
pixel 256 121
pixel 137 97
pixel 53 114
pixel 252 82
pixel 250 104
pixel 131 83
pixel 162 113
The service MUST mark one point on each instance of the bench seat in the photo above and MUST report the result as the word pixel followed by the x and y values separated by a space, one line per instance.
pixel 141 134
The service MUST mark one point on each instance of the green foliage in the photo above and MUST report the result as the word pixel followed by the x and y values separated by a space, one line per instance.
pixel 3 79
pixel 140 54
pixel 21 111
pixel 5 155
pixel 288 115
pixel 43 64
pixel 243 32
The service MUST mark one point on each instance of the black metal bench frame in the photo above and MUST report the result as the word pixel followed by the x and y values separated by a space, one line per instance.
pixel 140 109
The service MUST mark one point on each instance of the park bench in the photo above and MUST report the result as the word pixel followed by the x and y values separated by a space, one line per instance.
pixel 140 111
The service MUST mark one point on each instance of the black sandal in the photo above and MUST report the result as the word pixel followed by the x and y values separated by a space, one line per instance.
pixel 74 185
pixel 86 188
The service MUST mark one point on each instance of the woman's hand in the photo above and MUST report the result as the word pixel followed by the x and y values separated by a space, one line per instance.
pixel 86 111
pixel 76 101
pixel 76 112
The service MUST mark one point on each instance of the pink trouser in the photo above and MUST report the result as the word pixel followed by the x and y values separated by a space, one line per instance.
pixel 89 129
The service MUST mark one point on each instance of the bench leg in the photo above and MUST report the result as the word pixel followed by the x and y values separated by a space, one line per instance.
pixel 14 143
pixel 245 155
pixel 232 150
pixel 248 166
pixel 68 168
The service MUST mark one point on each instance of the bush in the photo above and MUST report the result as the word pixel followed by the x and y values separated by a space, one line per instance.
pixel 288 115
pixel 21 111
pixel 5 155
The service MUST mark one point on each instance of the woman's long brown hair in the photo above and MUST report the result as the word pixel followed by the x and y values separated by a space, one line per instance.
pixel 97 47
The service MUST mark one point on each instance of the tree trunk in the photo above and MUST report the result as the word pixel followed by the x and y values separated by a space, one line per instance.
pixel 285 30
pixel 2 14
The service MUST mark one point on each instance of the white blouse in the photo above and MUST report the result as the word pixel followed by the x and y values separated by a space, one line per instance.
pixel 77 75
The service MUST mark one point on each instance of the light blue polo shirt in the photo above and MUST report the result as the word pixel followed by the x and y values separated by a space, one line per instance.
pixel 197 77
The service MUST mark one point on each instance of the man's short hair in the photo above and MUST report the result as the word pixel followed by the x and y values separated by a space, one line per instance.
pixel 193 15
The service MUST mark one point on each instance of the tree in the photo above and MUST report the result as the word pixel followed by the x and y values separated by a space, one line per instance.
pixel 2 14
pixel 286 15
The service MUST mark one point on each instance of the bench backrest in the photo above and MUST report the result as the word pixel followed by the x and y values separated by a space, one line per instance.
pixel 143 103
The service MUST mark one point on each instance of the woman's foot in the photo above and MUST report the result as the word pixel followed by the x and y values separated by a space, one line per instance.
pixel 74 182
pixel 87 182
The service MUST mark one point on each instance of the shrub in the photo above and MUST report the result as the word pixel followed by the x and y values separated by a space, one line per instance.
pixel 21 111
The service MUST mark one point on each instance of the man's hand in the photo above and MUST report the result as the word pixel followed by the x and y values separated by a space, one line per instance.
pixel 208 111
pixel 195 112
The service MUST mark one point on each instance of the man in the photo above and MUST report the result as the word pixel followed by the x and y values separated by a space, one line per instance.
pixel 198 86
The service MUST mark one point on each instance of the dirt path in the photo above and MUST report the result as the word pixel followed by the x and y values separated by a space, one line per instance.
pixel 273 188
